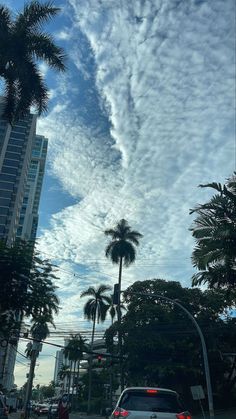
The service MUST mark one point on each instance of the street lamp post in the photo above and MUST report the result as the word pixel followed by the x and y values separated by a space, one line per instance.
pixel 204 349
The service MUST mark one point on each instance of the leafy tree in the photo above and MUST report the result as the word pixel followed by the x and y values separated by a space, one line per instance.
pixel 27 287
pixel 214 231
pixel 121 250
pixel 162 347
pixel 23 45
pixel 95 309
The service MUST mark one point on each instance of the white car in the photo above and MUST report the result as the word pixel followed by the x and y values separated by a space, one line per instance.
pixel 149 403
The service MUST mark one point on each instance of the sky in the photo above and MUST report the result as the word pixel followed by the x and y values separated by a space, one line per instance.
pixel 143 115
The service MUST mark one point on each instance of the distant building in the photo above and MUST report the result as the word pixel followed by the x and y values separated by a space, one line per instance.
pixel 28 221
pixel 58 365
pixel 22 165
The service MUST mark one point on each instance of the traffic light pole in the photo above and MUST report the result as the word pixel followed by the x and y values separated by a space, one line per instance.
pixel 204 349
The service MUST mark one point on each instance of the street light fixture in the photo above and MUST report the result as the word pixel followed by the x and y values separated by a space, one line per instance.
pixel 204 349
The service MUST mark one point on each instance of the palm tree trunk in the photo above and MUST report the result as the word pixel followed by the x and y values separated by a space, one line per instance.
pixel 90 363
pixel 30 383
pixel 73 386
pixel 120 347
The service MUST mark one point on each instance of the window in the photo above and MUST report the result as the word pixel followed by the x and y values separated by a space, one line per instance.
pixel 11 163
pixel 18 142
pixel 159 402
pixel 6 186
pixel 14 148
pixel 10 170
pixel 16 135
pixel 5 194
pixel 3 211
pixel 13 156
pixel 8 178
pixel 5 202
pixel 3 219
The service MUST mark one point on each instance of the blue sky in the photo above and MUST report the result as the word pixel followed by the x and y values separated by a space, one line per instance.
pixel 144 114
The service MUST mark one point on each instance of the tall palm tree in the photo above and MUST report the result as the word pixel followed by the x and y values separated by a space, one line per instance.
pixel 121 250
pixel 23 44
pixel 95 309
pixel 74 353
pixel 39 332
pixel 214 231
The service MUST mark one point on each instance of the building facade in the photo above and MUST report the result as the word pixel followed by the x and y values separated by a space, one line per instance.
pixel 15 156
pixel 22 165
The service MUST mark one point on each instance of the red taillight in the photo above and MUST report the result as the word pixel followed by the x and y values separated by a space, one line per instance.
pixel 120 413
pixel 183 416
pixel 151 391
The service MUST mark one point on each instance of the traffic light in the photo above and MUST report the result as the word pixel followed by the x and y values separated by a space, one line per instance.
pixel 116 294
pixel 99 359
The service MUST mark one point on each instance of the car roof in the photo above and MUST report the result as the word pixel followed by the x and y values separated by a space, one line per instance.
pixel 162 390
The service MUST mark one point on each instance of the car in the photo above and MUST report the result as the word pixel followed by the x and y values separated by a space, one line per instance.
pixel 3 408
pixel 53 411
pixel 149 403
pixel 42 409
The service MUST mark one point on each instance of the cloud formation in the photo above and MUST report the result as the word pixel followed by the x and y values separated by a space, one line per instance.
pixel 144 114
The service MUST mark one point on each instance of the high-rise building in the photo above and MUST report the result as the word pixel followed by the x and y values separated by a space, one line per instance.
pixel 22 165
pixel 28 221
pixel 15 156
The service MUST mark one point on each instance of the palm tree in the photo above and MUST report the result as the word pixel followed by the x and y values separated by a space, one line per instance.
pixel 63 373
pixel 214 231
pixel 39 332
pixel 121 250
pixel 23 44
pixel 95 309
pixel 74 352
pixel 113 309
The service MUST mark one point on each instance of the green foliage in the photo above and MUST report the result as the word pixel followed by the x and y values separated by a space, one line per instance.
pixel 27 287
pixel 214 231
pixel 96 307
pixel 75 348
pixel 161 345
pixel 122 243
pixel 22 45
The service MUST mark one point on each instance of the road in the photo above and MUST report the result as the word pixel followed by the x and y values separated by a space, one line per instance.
pixel 218 415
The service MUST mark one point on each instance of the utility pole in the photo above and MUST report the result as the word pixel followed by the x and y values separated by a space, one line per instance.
pixel 204 349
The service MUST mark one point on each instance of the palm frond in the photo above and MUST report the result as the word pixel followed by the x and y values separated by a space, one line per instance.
pixel 35 14
pixel 42 46
pixel 5 20
pixel 103 288
pixel 213 185
pixel 89 292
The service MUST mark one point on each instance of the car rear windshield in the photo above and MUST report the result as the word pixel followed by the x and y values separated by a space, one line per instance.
pixel 149 402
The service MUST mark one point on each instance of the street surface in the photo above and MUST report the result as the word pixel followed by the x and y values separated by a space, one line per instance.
pixel 218 415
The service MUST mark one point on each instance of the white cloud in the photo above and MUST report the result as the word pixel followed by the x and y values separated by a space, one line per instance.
pixel 164 74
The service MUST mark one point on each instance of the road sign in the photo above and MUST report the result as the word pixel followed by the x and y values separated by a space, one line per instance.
pixel 197 392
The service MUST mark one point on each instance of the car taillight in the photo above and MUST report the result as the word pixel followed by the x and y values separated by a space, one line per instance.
pixel 183 415
pixel 120 413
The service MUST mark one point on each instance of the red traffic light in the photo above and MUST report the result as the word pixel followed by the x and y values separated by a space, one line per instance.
pixel 99 359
